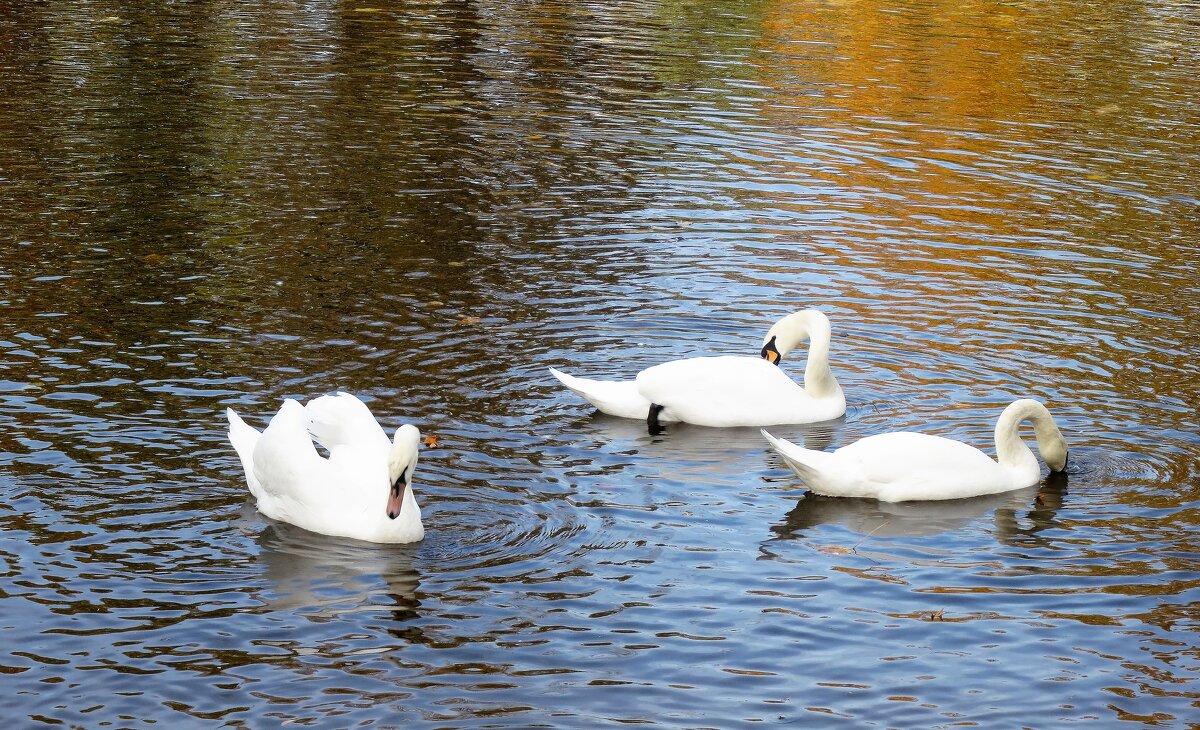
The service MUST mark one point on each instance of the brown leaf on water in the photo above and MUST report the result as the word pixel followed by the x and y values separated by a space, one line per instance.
pixel 469 320
pixel 431 441
pixel 833 549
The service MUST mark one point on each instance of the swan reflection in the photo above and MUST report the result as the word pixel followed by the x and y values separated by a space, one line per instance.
pixel 685 439
pixel 1042 514
pixel 1038 505
pixel 306 570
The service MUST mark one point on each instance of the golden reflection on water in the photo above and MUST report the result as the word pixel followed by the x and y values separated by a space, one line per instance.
pixel 931 123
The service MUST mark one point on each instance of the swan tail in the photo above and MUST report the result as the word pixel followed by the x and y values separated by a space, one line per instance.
pixel 815 468
pixel 616 398
pixel 244 438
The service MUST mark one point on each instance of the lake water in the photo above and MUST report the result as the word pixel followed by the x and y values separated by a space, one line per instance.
pixel 218 204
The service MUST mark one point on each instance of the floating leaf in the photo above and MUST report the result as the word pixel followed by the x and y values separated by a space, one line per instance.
pixel 469 320
pixel 833 549
pixel 432 441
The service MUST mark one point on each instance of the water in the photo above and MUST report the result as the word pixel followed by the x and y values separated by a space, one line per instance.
pixel 206 205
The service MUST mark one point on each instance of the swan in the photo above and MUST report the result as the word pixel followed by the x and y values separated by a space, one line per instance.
pixel 728 390
pixel 904 466
pixel 362 490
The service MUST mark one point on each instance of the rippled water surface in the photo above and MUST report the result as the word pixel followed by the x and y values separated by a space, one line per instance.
pixel 219 204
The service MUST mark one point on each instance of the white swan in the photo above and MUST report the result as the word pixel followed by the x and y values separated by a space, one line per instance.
pixel 729 390
pixel 361 491
pixel 904 466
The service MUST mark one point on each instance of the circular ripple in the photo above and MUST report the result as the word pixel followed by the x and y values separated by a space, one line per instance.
pixel 489 518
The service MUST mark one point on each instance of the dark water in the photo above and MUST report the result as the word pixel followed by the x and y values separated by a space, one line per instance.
pixel 215 204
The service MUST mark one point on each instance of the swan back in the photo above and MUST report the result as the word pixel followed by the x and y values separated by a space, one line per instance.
pixel 730 390
pixel 899 466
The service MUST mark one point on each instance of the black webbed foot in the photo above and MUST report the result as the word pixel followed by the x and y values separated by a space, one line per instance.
pixel 652 424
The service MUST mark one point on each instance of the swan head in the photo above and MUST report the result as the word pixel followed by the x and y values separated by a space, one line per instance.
pixel 788 333
pixel 402 461
pixel 1056 458
pixel 1052 446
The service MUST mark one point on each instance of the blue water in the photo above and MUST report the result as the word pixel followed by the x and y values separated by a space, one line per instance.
pixel 428 204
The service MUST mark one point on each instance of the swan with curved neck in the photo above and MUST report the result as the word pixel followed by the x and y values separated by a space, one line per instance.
pixel 729 390
pixel 904 466
pixel 363 490
pixel 793 330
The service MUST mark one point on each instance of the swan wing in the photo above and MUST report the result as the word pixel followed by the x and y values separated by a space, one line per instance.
pixel 731 391
pixel 293 478
pixel 616 398
pixel 342 419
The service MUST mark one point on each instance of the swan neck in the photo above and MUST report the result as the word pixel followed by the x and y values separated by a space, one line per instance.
pixel 818 376
pixel 1012 451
